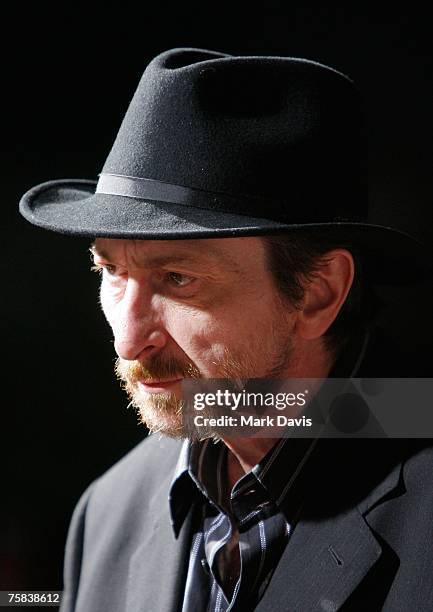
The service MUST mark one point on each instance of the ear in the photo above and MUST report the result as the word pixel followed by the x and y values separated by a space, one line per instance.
pixel 325 293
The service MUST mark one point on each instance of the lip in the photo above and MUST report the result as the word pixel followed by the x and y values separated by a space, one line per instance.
pixel 158 386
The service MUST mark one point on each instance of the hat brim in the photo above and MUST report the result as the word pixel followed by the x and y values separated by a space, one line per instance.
pixel 71 206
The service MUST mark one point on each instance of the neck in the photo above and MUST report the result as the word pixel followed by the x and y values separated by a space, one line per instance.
pixel 245 453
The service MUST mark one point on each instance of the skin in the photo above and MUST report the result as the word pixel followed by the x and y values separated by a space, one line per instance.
pixel 211 308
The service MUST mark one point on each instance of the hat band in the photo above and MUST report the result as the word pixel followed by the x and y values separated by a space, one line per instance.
pixel 150 189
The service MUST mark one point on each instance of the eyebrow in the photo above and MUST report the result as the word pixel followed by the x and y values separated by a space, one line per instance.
pixel 163 260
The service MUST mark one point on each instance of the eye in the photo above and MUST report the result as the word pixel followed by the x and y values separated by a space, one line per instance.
pixel 178 279
pixel 100 268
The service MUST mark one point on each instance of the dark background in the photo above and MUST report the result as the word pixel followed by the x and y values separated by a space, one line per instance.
pixel 67 78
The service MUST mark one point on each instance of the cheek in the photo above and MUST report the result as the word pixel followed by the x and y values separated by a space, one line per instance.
pixel 108 303
pixel 201 336
pixel 207 338
pixel 105 303
pixel 110 300
pixel 188 327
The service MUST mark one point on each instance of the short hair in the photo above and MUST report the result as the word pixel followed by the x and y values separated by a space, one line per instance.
pixel 295 257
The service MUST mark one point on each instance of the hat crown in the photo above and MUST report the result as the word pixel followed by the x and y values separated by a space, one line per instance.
pixel 286 130
pixel 217 146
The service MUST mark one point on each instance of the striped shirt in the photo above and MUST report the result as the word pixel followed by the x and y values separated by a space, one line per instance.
pixel 256 528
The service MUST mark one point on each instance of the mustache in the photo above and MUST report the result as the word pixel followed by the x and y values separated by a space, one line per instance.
pixel 157 368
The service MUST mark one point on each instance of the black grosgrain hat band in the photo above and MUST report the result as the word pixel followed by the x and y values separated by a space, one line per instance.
pixel 145 189
pixel 150 189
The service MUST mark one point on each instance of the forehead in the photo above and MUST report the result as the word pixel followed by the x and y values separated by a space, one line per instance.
pixel 218 251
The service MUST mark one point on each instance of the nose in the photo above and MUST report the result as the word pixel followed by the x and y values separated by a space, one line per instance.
pixel 137 327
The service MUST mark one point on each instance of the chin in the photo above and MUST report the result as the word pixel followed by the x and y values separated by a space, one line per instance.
pixel 160 413
pixel 172 426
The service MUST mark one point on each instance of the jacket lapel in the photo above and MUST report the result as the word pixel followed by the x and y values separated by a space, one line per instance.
pixel 322 564
pixel 157 570
pixel 330 550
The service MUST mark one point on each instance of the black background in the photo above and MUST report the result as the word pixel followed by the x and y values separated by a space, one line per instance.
pixel 67 77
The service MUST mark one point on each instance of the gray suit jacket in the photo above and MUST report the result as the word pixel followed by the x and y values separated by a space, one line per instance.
pixel 364 540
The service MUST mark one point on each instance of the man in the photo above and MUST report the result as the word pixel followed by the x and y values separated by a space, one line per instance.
pixel 229 224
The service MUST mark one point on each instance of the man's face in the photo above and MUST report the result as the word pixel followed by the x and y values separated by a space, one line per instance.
pixel 190 308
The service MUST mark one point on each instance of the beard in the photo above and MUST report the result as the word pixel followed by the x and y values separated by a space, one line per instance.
pixel 159 412
pixel 163 412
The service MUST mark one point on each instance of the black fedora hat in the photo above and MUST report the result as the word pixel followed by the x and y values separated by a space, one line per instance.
pixel 214 145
